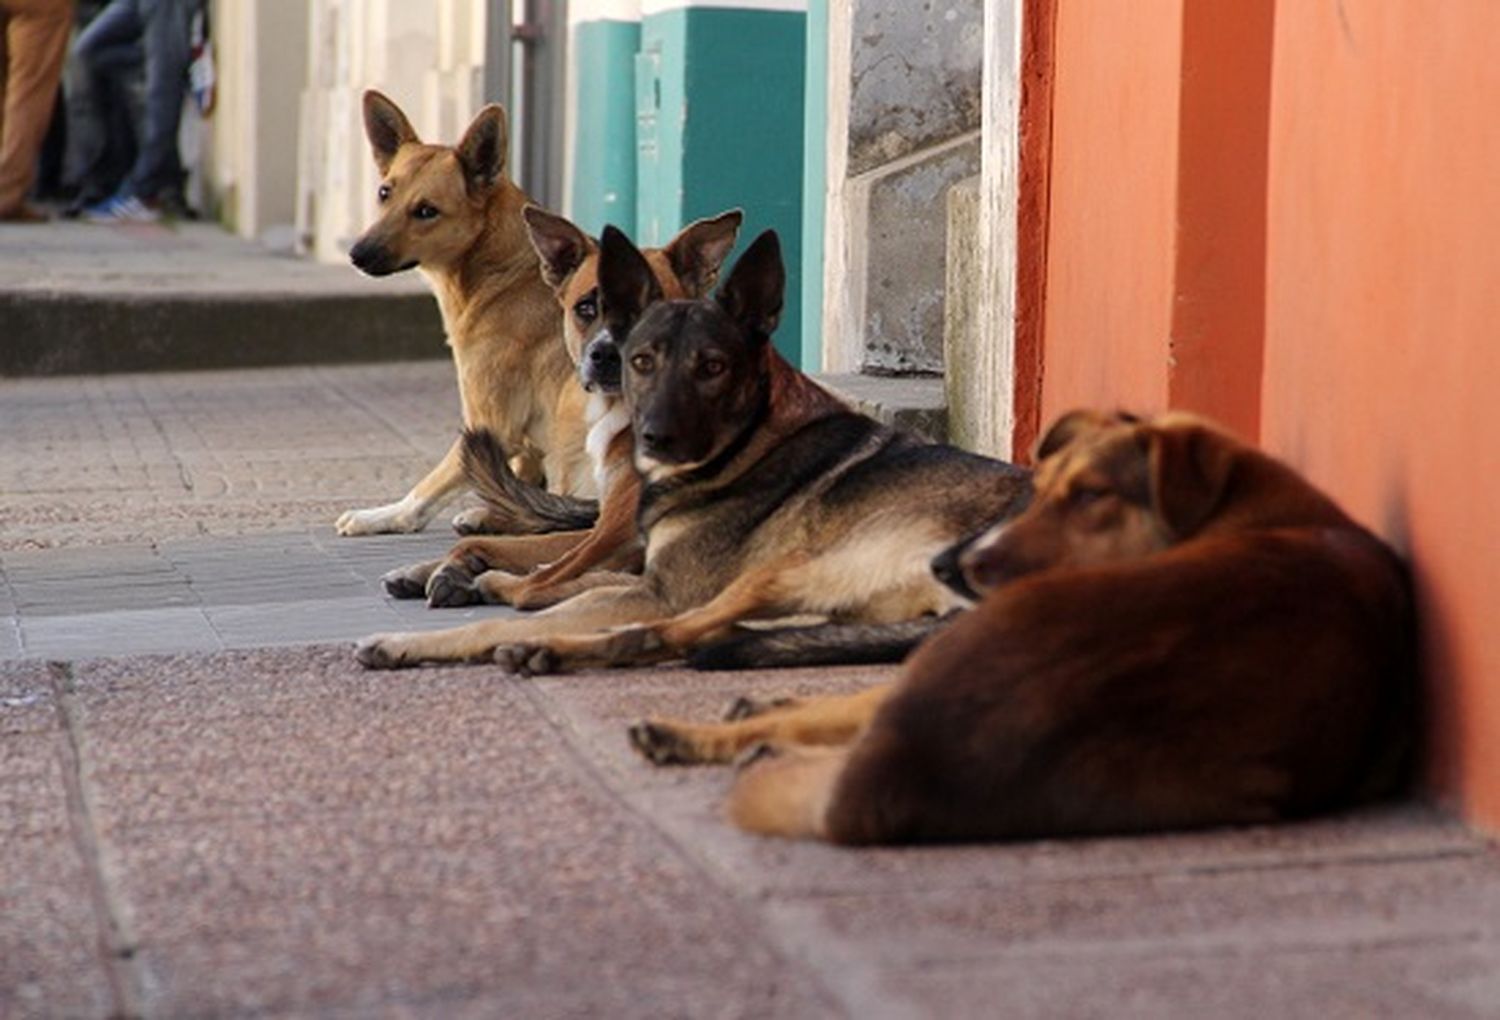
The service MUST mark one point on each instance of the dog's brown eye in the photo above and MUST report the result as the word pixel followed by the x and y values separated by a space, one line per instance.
pixel 712 367
pixel 586 310
pixel 384 192
pixel 425 211
pixel 1085 496
pixel 643 363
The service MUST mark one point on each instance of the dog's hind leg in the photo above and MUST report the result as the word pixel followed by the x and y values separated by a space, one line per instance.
pixel 787 794
pixel 829 720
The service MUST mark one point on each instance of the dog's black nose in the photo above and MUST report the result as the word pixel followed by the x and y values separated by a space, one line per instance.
pixel 946 567
pixel 656 440
pixel 364 256
pixel 600 355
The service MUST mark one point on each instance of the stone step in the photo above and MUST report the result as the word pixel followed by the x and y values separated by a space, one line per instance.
pixel 86 299
pixel 914 403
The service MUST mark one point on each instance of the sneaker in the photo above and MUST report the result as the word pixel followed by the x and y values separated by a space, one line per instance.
pixel 121 209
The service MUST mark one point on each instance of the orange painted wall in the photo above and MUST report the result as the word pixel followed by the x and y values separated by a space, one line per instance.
pixel 1155 251
pixel 1382 353
pixel 1110 243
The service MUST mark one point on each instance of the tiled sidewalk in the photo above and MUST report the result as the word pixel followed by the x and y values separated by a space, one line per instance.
pixel 210 594
pixel 277 832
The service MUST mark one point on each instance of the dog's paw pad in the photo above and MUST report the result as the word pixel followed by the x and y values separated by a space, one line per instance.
pixel 660 745
pixel 528 660
pixel 473 522
pixel 399 584
pixel 377 652
pixel 448 589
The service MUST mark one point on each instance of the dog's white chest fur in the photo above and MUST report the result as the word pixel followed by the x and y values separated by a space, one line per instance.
pixel 609 419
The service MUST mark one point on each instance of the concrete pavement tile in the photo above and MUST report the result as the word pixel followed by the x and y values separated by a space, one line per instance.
pixel 50 962
pixel 122 632
pixel 1438 980
pixel 1310 908
pixel 118 559
pixel 313 878
pixel 32 799
pixel 320 620
pixel 598 707
pixel 10 638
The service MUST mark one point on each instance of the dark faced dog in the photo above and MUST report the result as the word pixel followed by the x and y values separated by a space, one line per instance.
pixel 763 495
pixel 527 568
pixel 1179 632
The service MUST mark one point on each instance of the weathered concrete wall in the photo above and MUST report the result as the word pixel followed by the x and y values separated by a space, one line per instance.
pixel 915 78
pixel 904 96
pixel 251 164
pixel 427 55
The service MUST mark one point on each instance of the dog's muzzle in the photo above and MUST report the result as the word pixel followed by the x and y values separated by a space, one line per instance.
pixel 374 259
pixel 599 364
pixel 947 567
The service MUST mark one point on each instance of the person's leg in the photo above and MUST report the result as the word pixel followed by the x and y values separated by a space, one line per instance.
pixel 36 40
pixel 168 51
pixel 113 34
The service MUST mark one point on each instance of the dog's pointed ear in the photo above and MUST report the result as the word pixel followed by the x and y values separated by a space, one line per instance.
pixel 756 286
pixel 700 248
pixel 483 148
pixel 386 127
pixel 561 246
pixel 626 283
pixel 1068 428
pixel 1190 466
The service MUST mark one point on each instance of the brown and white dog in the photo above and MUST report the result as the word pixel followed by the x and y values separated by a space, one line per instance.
pixel 1179 632
pixel 534 571
pixel 453 213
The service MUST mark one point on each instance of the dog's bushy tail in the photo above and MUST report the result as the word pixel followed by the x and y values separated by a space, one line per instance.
pixel 516 507
pixel 827 644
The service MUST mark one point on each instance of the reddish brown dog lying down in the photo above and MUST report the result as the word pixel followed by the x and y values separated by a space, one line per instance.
pixel 1179 632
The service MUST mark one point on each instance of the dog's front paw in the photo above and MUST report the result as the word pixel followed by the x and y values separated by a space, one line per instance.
pixel 528 660
pixel 661 744
pixel 381 520
pixel 405 582
pixel 451 586
pixel 474 521
pixel 381 651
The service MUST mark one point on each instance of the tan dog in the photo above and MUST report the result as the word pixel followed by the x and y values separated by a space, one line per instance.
pixel 1179 632
pixel 454 214
pixel 534 571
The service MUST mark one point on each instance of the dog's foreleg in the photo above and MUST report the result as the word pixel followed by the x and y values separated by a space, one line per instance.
pixel 787 794
pixel 453 582
pixel 417 507
pixel 507 589
pixel 476 642
pixel 613 544
pixel 829 720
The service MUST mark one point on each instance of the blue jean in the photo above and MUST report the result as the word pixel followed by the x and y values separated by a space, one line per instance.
pixel 154 33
